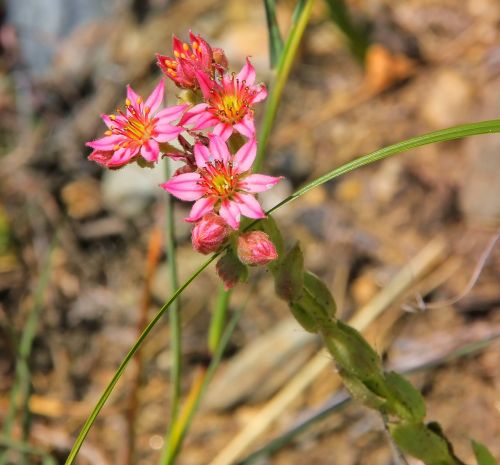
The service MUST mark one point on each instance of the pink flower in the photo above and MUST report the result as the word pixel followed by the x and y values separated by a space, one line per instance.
pixel 187 60
pixel 222 182
pixel 138 131
pixel 256 248
pixel 209 233
pixel 228 104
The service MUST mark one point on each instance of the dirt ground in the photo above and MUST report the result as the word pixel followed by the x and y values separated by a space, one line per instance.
pixel 432 64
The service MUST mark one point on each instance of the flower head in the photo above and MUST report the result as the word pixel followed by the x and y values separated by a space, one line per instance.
pixel 256 248
pixel 222 182
pixel 228 104
pixel 137 131
pixel 209 233
pixel 189 58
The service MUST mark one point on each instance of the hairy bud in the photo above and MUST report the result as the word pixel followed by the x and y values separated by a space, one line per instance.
pixel 209 233
pixel 256 248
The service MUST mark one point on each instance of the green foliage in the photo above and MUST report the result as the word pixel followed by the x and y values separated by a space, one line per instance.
pixel 422 442
pixel 289 276
pixel 482 454
pixel 405 400
pixel 275 40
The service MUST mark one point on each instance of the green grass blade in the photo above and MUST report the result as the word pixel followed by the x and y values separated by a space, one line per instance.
pixel 301 18
pixel 109 388
pixel 466 130
pixel 275 40
pixel 443 135
pixel 356 36
pixel 218 320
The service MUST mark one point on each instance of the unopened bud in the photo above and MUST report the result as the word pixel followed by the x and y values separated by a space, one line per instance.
pixel 256 248
pixel 209 234
pixel 220 57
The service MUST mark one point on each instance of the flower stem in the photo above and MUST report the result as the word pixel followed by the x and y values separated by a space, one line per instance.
pixel 218 319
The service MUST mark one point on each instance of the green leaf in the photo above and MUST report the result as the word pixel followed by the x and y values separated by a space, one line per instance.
pixel 421 442
pixel 275 40
pixel 406 401
pixel 289 276
pixel 483 455
pixel 320 292
pixel 304 318
pixel 362 393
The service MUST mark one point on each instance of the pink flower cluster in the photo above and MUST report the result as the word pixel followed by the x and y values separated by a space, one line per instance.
pixel 215 130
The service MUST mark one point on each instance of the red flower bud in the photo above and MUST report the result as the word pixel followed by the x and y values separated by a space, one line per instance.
pixel 256 248
pixel 209 233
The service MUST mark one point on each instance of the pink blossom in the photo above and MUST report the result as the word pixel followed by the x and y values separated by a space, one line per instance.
pixel 137 131
pixel 256 248
pixel 228 103
pixel 189 58
pixel 222 183
pixel 209 234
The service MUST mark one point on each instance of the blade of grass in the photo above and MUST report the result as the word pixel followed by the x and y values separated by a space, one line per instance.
pixel 342 399
pixel 356 37
pixel 22 384
pixel 218 319
pixel 275 40
pixel 301 18
pixel 466 130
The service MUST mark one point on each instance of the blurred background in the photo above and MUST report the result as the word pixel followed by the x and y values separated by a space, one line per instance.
pixel 74 238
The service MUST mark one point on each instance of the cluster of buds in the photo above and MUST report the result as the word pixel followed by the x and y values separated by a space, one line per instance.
pixel 215 130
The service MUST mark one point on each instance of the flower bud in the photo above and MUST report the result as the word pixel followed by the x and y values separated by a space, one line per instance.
pixel 256 248
pixel 209 233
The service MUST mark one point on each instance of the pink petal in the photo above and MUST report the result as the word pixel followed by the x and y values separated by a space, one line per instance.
pixel 230 213
pixel 170 114
pixel 218 148
pixel 156 97
pixel 200 208
pixel 201 155
pixel 150 150
pixel 132 95
pixel 194 114
pixel 108 121
pixel 122 156
pixel 245 156
pixel 247 73
pixel 246 126
pixel 261 93
pixel 184 186
pixel 105 143
pixel 258 183
pixel 206 84
pixel 249 206
pixel 223 130
pixel 165 132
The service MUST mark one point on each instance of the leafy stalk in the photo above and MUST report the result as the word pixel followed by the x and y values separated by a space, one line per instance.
pixel 275 40
pixel 484 127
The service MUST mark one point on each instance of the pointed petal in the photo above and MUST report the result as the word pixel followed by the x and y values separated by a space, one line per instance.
pixel 184 186
pixel 166 133
pixel 246 126
pixel 258 183
pixel 132 95
pixel 247 73
pixel 200 208
pixel 194 113
pixel 150 150
pixel 170 114
pixel 230 213
pixel 223 130
pixel 201 155
pixel 218 148
pixel 261 93
pixel 105 143
pixel 156 97
pixel 249 206
pixel 245 156
pixel 206 84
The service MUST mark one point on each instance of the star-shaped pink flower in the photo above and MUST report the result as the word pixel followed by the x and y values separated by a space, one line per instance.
pixel 223 182
pixel 137 131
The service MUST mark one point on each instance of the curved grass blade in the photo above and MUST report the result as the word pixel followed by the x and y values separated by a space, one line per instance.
pixel 275 40
pixel 466 130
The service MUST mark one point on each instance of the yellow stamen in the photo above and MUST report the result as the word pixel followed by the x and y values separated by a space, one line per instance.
pixel 195 45
pixel 185 46
pixel 128 102
pixel 139 100
pixel 183 55
pixel 176 53
pixel 108 133
pixel 112 117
